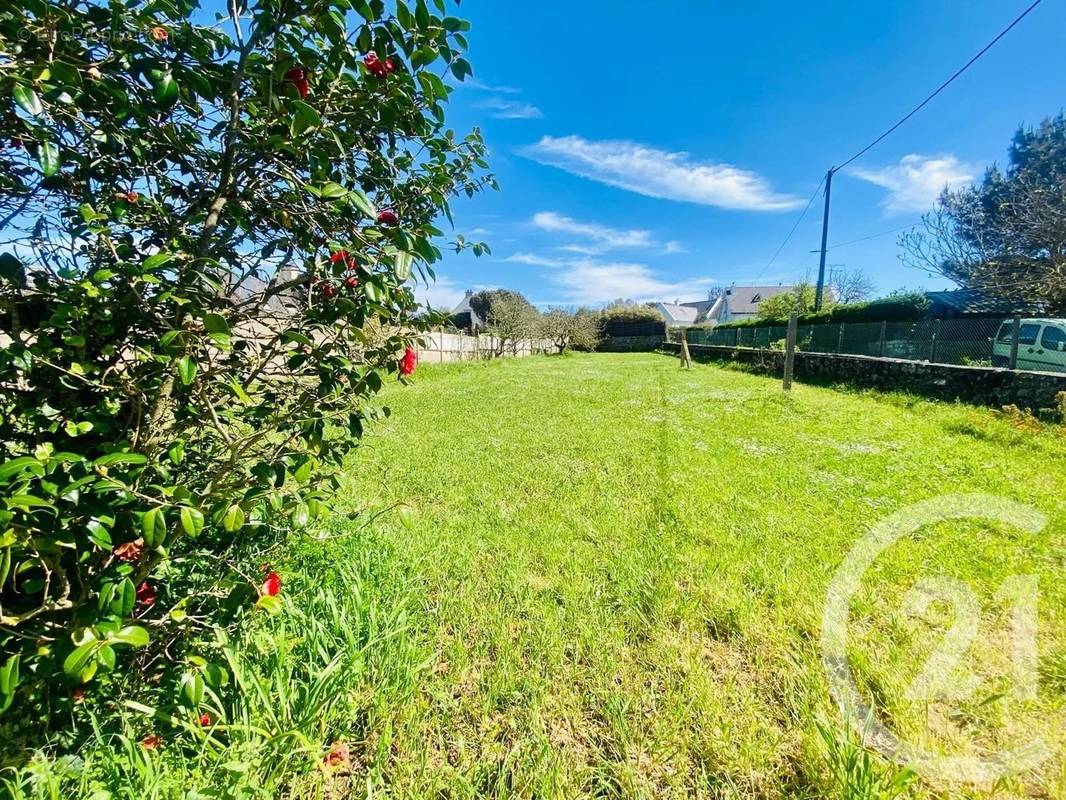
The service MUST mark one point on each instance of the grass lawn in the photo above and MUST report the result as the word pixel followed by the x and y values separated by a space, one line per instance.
pixel 610 583
pixel 617 571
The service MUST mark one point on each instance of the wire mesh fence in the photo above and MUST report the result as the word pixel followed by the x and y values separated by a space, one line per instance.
pixel 1041 344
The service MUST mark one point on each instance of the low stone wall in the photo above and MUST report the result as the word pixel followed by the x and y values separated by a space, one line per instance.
pixel 981 385
pixel 630 344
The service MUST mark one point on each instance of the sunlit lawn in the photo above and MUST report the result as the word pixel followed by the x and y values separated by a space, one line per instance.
pixel 620 567
pixel 609 582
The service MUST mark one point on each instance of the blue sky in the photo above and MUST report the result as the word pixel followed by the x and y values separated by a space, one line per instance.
pixel 648 150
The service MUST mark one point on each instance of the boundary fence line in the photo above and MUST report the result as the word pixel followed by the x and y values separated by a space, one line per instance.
pixel 438 347
pixel 983 342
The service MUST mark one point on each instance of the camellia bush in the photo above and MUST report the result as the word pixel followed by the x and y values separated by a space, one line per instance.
pixel 210 228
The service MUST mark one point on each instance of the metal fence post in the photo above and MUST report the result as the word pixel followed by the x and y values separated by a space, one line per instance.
pixel 840 339
pixel 881 344
pixel 933 339
pixel 790 350
pixel 736 337
pixel 1015 337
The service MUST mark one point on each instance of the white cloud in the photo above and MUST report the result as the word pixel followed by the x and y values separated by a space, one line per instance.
pixel 502 108
pixel 917 181
pixel 674 247
pixel 535 260
pixel 474 83
pixel 658 173
pixel 589 282
pixel 608 237
pixel 442 294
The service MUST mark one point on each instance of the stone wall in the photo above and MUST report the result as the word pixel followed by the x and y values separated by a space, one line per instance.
pixel 981 385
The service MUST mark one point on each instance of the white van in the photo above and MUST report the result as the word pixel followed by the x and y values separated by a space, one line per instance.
pixel 1041 345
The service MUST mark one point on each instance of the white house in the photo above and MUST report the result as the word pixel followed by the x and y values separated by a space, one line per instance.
pixel 734 303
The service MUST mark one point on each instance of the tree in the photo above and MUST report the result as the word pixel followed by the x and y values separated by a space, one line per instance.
pixel 799 299
pixel 1007 235
pixel 204 222
pixel 571 330
pixel 850 284
pixel 509 317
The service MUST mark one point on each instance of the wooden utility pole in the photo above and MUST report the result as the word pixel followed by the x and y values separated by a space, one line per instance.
pixel 790 350
pixel 825 233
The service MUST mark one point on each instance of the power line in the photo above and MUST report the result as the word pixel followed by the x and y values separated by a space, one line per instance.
pixel 871 236
pixel 795 225
pixel 942 86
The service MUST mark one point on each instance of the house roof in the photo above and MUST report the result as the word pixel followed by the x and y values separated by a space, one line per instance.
pixel 974 301
pixel 678 313
pixel 746 299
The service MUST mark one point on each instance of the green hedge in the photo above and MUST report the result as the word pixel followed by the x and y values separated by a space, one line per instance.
pixel 897 308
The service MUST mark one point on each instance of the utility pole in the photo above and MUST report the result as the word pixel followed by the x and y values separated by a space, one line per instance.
pixel 825 233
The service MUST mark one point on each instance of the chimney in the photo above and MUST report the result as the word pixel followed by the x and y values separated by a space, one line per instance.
pixel 468 293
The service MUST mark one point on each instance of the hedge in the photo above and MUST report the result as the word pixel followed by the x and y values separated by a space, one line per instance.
pixel 896 308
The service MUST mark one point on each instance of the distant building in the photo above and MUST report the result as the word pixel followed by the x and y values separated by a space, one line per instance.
pixel 463 315
pixel 734 303
pixel 975 303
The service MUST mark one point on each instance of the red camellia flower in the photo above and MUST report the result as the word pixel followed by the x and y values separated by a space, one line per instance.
pixel 390 65
pixel 343 257
pixel 132 197
pixel 152 741
pixel 130 551
pixel 271 585
pixel 146 594
pixel 297 76
pixel 409 361
pixel 351 281
pixel 78 695
pixel 159 33
pixel 328 290
pixel 387 217
pixel 377 67
pixel 205 720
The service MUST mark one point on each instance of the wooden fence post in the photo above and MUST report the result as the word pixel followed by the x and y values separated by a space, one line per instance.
pixel 790 350
pixel 1015 340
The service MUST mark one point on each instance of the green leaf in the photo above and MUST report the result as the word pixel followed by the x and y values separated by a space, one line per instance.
pixel 192 687
pixel 186 370
pixel 48 157
pixel 270 604
pixel 461 69
pixel 304 118
pixel 124 598
pixel 402 263
pixel 166 90
pixel 133 635
pixel 9 675
pixel 332 191
pixel 79 658
pixel 158 260
pixel 216 323
pixel 300 515
pixel 363 203
pixel 28 100
pixel 192 520
pixel 233 519
pixel 154 527
pixel 11 270
pixel 424 56
pixel 120 458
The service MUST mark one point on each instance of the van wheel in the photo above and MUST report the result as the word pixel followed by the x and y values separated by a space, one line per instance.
pixel 1000 361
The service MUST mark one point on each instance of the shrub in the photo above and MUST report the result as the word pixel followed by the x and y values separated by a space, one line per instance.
pixel 894 308
pixel 205 223
pixel 630 319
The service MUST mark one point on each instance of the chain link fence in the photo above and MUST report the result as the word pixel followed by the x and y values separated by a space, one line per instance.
pixel 988 342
